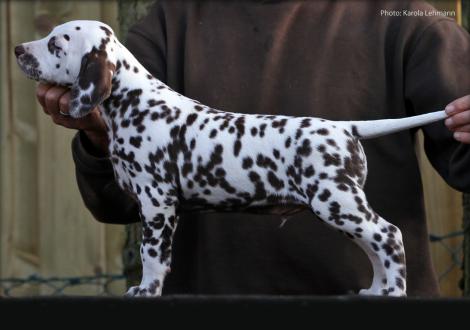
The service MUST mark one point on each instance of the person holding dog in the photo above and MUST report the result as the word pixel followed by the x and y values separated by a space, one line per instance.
pixel 335 60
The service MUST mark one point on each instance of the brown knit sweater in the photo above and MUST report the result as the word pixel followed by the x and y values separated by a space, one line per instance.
pixel 337 60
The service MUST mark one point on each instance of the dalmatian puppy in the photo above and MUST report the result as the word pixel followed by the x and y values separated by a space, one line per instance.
pixel 172 153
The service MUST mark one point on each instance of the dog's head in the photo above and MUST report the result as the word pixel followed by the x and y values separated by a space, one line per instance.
pixel 78 54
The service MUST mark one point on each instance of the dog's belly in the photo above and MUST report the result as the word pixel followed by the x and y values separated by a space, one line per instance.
pixel 194 200
pixel 284 208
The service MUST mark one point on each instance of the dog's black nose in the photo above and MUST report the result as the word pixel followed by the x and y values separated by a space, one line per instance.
pixel 19 50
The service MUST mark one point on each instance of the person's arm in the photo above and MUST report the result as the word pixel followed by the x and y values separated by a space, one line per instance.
pixel 438 73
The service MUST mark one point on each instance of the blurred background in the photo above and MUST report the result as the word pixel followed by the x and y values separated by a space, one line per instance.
pixel 49 242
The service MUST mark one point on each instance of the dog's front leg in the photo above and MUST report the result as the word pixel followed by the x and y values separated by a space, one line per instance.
pixel 159 220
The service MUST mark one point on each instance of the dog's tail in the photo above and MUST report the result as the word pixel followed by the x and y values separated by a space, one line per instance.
pixel 368 129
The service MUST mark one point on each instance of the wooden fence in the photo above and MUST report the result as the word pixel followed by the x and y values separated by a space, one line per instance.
pixel 44 227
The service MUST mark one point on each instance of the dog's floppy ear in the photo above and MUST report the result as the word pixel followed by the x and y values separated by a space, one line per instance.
pixel 93 84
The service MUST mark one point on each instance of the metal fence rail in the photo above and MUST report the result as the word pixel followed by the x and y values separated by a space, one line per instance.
pixel 57 286
pixel 455 252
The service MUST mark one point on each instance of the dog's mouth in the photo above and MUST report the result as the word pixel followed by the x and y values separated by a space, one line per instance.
pixel 30 66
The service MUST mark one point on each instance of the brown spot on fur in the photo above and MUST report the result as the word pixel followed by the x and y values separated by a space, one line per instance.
pixel 95 70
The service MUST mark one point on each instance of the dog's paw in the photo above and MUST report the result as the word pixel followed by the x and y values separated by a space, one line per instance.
pixel 372 292
pixel 152 289
pixel 382 292
pixel 394 292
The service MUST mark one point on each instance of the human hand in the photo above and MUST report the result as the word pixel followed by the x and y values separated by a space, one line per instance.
pixel 459 119
pixel 56 99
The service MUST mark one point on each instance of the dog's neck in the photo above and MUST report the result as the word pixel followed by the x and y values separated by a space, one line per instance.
pixel 131 74
pixel 130 78
pixel 134 91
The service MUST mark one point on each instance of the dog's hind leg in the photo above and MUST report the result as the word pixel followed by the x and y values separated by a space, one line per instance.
pixel 349 212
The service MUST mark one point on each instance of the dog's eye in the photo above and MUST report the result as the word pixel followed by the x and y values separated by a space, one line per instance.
pixel 67 37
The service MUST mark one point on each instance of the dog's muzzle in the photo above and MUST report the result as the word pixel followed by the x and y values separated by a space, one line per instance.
pixel 28 63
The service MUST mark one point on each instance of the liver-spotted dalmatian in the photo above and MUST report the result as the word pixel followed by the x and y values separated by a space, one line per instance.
pixel 172 153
